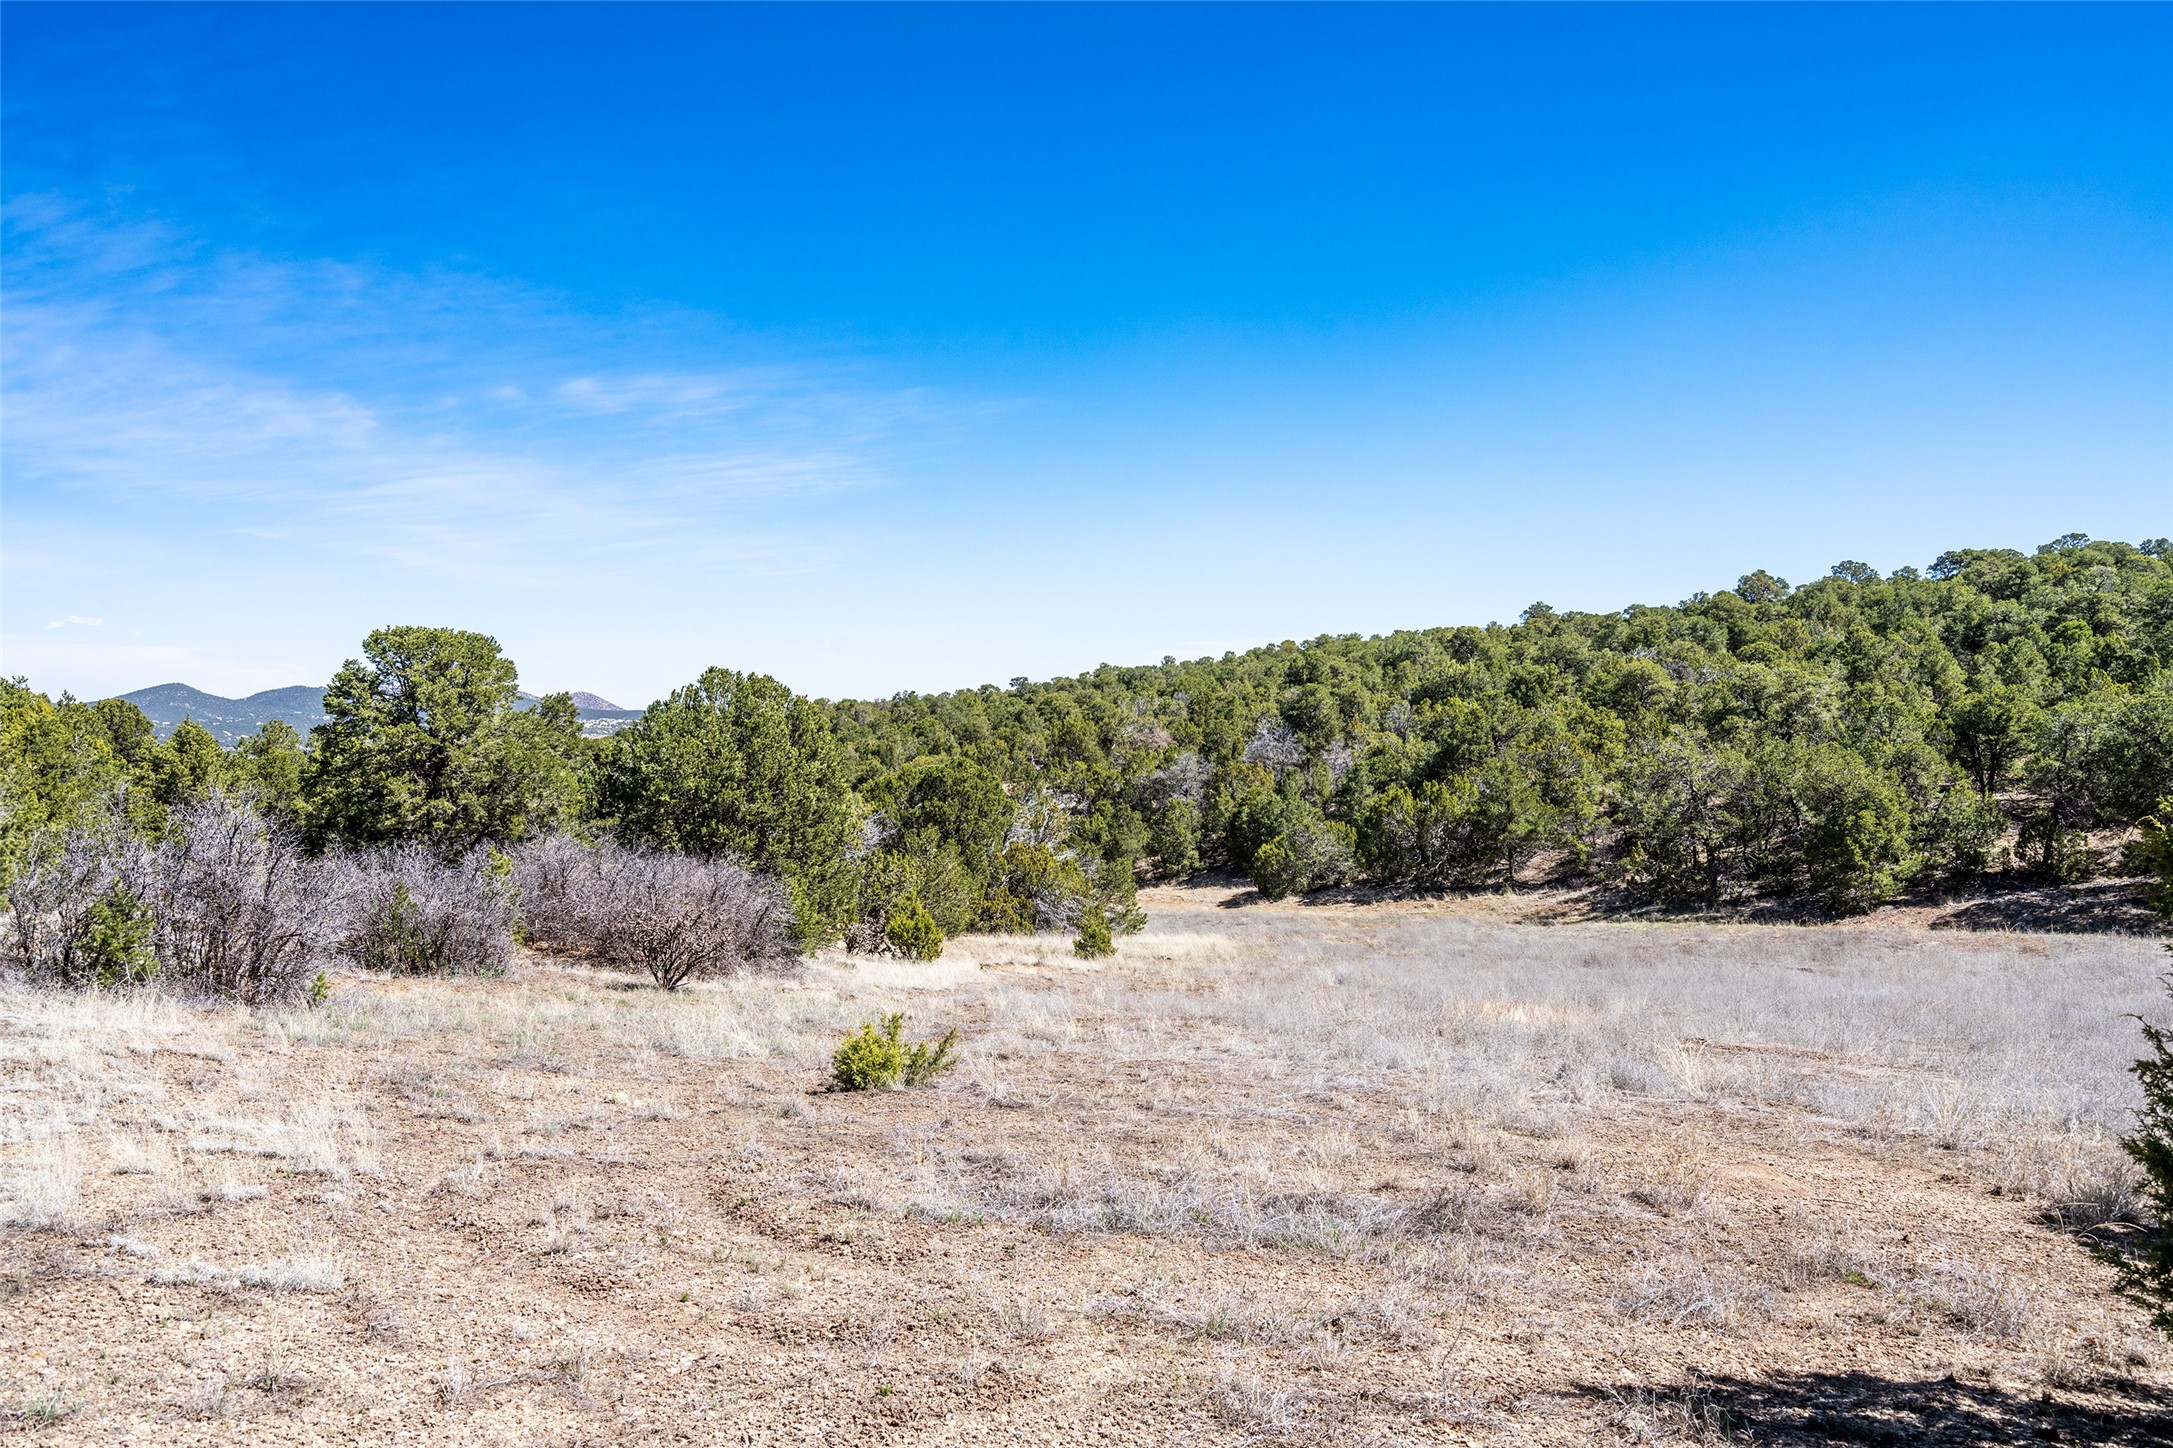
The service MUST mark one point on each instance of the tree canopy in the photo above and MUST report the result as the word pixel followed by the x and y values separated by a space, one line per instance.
pixel 738 764
pixel 1999 712
pixel 425 742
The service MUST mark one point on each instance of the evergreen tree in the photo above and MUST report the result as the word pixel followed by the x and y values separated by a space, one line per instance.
pixel 426 742
pixel 738 764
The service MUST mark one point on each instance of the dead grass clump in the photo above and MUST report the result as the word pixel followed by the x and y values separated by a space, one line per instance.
pixel 2083 1181
pixel 1210 1314
pixel 288 1274
pixel 43 1190
pixel 1024 1322
pixel 1673 1188
pixel 1392 1317
pixel 1243 1401
pixel 1682 1293
pixel 1688 1414
pixel 1834 1257
pixel 1980 1301
pixel 1457 1212
pixel 292 1274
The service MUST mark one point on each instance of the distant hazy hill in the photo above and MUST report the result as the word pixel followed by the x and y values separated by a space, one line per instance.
pixel 166 705
pixel 302 705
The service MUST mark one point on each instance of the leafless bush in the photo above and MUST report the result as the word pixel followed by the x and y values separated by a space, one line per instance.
pixel 62 899
pixel 556 881
pixel 224 903
pixel 680 918
pixel 411 912
pixel 241 912
pixel 675 916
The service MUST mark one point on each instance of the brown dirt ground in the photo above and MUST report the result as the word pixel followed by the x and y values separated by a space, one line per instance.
pixel 700 1274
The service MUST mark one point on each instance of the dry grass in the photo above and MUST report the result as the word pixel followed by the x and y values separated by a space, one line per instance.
pixel 1270 1175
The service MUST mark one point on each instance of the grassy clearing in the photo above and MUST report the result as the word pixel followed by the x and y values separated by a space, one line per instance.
pixel 1267 1175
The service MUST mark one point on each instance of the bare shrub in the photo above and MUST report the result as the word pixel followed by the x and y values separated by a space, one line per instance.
pixel 556 882
pixel 681 918
pixel 412 912
pixel 241 912
pixel 72 889
pixel 677 917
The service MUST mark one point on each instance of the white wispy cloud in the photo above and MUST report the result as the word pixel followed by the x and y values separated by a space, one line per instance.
pixel 449 425
pixel 75 620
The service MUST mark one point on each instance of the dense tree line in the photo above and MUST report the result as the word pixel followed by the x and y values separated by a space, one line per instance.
pixel 1842 741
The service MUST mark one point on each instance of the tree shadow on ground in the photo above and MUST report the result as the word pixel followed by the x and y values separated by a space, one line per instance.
pixel 2092 908
pixel 1855 1407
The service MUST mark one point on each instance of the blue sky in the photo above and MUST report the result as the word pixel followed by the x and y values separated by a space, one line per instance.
pixel 921 347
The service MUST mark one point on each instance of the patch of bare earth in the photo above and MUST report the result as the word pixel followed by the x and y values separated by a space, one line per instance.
pixel 1290 1175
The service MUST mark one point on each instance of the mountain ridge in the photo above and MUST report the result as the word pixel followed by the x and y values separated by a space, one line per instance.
pixel 302 705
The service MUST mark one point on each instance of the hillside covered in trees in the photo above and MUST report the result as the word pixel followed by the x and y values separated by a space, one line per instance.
pixel 1839 742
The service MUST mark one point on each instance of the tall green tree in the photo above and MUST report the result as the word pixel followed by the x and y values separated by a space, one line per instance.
pixel 738 764
pixel 188 766
pixel 268 765
pixel 56 761
pixel 426 742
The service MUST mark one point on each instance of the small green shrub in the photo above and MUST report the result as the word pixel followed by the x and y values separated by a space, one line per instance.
pixel 874 1057
pixel 868 1059
pixel 926 1060
pixel 2147 1279
pixel 911 930
pixel 117 938
pixel 1095 940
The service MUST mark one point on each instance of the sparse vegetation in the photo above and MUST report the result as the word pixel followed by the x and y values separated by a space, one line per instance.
pixel 1434 1142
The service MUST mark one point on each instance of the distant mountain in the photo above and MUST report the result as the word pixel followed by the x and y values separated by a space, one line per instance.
pixel 599 716
pixel 166 705
pixel 302 705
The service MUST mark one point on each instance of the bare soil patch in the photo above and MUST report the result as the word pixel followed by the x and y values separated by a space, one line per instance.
pixel 1301 1174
